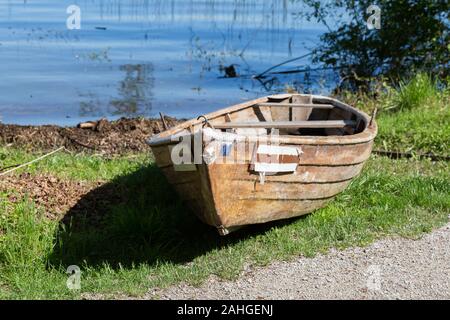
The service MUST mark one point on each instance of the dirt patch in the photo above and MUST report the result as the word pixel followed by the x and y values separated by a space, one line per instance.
pixel 64 199
pixel 102 136
pixel 53 194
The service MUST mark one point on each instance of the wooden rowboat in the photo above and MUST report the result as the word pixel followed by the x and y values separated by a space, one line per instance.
pixel 272 158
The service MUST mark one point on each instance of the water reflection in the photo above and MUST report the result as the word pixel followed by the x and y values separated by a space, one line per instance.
pixel 133 97
pixel 92 106
pixel 274 12
pixel 139 57
pixel 135 91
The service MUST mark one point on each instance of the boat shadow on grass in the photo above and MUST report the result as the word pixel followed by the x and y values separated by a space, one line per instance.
pixel 138 218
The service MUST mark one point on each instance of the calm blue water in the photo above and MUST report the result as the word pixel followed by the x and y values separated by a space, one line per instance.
pixel 139 57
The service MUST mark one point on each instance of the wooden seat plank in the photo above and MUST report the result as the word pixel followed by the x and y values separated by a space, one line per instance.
pixel 287 124
pixel 296 105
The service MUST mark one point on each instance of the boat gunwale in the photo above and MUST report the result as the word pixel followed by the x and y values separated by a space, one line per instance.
pixel 368 134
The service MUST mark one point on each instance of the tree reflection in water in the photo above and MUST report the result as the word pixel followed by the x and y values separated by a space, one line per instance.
pixel 135 91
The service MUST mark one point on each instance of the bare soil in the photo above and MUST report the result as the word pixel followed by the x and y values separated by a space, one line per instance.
pixel 102 136
pixel 53 194
pixel 59 196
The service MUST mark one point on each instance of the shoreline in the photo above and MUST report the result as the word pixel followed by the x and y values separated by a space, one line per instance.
pixel 119 137
pixel 125 135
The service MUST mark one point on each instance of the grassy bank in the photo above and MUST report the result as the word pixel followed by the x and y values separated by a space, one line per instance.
pixel 150 240
pixel 413 117
pixel 129 232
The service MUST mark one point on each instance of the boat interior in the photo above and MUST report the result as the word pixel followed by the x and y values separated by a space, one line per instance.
pixel 292 114
pixel 283 115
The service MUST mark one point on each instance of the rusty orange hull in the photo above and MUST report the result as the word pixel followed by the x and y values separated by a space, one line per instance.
pixel 229 187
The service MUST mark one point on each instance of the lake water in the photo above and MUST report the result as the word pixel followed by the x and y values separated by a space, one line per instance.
pixel 138 57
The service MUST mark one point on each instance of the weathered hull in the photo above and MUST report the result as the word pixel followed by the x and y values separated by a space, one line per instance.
pixel 227 193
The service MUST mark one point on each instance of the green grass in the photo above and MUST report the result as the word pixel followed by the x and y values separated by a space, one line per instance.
pixel 418 131
pixel 151 240
pixel 85 167
pixel 419 92
pixel 413 117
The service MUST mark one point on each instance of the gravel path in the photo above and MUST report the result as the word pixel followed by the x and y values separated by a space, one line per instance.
pixel 388 269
